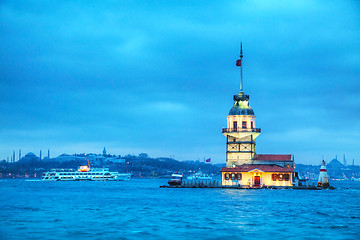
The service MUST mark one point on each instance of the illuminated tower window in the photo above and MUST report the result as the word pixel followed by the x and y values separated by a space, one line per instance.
pixel 235 125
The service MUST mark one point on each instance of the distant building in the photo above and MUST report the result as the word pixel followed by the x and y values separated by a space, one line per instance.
pixel 115 160
pixel 336 164
pixel 66 158
pixel 30 157
pixel 243 166
pixel 104 152
pixel 96 159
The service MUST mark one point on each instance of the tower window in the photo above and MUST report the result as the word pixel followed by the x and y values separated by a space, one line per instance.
pixel 244 124
pixel 252 124
pixel 235 125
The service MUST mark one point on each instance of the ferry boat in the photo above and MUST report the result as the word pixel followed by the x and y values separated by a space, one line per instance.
pixel 176 179
pixel 85 173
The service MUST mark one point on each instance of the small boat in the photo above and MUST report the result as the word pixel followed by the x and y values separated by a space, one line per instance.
pixel 199 176
pixel 176 179
pixel 85 173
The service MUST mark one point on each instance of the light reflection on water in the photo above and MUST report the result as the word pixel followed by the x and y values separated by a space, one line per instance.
pixel 139 209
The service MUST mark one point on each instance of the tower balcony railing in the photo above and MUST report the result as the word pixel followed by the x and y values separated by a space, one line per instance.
pixel 225 130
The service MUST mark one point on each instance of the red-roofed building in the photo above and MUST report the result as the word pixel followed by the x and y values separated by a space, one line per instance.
pixel 283 160
pixel 259 167
pixel 243 166
pixel 257 175
pixel 273 157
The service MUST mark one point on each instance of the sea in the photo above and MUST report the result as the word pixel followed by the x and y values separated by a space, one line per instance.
pixel 139 209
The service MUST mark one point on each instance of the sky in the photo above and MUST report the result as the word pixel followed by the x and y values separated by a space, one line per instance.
pixel 158 77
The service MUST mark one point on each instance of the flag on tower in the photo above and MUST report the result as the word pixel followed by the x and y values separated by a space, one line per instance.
pixel 238 62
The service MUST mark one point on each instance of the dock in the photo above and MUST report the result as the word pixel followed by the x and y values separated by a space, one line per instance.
pixel 217 184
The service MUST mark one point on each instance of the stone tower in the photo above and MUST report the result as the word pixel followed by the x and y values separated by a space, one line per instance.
pixel 241 131
pixel 104 152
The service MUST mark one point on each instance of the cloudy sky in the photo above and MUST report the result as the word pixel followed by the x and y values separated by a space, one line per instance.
pixel 159 76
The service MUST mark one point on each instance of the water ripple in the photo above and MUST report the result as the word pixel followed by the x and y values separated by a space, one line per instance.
pixel 139 209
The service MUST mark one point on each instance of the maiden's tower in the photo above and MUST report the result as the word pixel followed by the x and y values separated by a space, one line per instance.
pixel 244 167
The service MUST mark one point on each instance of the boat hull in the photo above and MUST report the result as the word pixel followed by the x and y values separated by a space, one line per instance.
pixel 174 183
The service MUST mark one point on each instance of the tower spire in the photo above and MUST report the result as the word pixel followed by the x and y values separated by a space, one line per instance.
pixel 239 64
pixel 241 79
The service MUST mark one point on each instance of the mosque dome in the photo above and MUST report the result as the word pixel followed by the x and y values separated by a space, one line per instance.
pixel 241 105
pixel 30 154
pixel 29 157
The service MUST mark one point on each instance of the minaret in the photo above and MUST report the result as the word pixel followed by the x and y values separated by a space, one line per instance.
pixel 14 156
pixel 49 153
pixel 240 132
pixel 40 154
pixel 19 154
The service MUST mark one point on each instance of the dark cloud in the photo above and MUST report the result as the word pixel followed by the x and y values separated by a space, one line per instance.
pixel 159 76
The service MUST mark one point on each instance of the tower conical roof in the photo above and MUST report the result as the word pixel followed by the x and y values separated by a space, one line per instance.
pixel 241 105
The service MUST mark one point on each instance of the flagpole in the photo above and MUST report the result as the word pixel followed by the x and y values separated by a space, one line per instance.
pixel 241 79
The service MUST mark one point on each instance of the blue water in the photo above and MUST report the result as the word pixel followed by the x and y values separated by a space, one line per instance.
pixel 139 209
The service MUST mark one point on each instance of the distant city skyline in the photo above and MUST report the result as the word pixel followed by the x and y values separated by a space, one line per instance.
pixel 344 160
pixel 159 78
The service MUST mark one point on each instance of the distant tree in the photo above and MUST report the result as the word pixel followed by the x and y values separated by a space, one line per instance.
pixel 129 156
pixel 143 155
